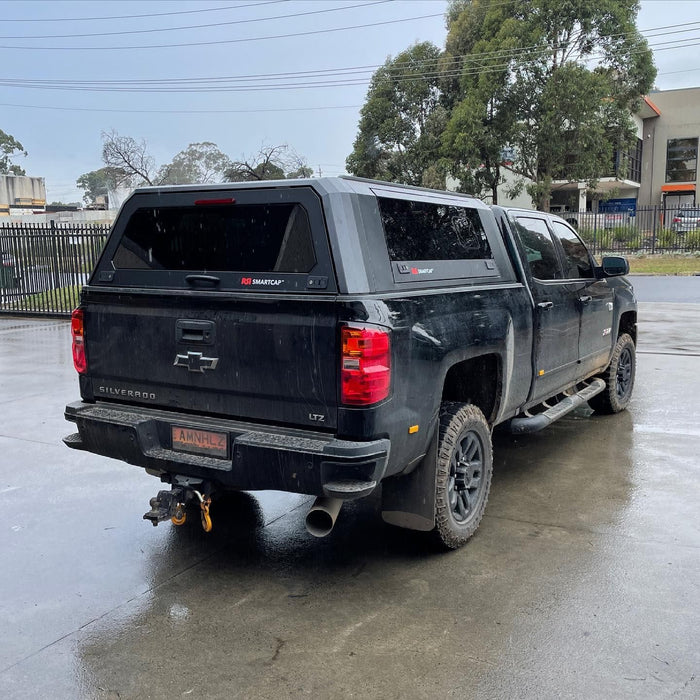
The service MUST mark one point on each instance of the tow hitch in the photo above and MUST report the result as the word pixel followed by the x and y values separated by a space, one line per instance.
pixel 172 505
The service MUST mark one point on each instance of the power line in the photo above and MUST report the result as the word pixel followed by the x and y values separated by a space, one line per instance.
pixel 182 111
pixel 200 26
pixel 505 55
pixel 155 14
pixel 304 80
pixel 220 41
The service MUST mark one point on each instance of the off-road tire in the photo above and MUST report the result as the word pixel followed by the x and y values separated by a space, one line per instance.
pixel 464 470
pixel 618 377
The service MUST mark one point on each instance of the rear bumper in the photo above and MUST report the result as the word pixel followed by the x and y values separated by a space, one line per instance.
pixel 259 457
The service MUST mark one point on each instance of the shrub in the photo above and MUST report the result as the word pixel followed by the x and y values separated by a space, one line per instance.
pixel 692 240
pixel 587 234
pixel 666 238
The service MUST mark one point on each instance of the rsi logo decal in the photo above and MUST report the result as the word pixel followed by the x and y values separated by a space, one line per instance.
pixel 255 281
pixel 406 269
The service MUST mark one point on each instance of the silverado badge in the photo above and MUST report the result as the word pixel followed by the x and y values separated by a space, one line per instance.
pixel 196 362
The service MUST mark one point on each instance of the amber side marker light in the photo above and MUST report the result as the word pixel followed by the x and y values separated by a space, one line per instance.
pixel 78 333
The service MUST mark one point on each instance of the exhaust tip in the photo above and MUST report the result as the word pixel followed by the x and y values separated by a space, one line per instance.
pixel 322 516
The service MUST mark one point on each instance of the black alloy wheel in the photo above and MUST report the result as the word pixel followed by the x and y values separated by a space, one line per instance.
pixel 463 478
pixel 618 377
pixel 624 373
pixel 466 472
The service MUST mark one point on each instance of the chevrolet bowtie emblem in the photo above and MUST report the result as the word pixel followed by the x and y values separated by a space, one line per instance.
pixel 195 362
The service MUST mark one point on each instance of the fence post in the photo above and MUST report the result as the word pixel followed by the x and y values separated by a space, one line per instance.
pixel 655 214
pixel 596 250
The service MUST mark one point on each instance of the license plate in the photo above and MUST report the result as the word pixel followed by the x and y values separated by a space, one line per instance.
pixel 202 442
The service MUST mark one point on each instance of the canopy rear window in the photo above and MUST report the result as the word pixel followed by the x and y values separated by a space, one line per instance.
pixel 267 239
pixel 255 238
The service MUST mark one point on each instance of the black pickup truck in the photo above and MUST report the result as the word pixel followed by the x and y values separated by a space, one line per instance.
pixel 338 336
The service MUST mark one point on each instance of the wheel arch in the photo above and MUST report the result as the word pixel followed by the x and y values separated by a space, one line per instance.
pixel 477 381
pixel 628 324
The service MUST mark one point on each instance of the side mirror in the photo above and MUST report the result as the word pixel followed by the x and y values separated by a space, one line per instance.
pixel 615 266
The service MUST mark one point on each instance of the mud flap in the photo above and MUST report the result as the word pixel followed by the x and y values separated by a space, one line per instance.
pixel 409 501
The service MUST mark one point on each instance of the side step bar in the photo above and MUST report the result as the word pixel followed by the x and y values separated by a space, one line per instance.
pixel 531 424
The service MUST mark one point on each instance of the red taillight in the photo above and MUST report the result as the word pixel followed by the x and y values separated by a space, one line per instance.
pixel 676 220
pixel 365 371
pixel 76 327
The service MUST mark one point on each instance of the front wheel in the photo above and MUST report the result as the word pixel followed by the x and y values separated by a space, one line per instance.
pixel 464 469
pixel 619 378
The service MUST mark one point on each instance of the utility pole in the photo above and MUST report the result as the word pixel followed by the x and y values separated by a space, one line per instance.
pixel 320 172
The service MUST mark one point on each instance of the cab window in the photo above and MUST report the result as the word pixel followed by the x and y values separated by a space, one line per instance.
pixel 539 248
pixel 577 261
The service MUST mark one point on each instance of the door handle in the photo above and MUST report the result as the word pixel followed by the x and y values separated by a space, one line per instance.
pixel 202 280
pixel 585 300
pixel 545 305
pixel 195 331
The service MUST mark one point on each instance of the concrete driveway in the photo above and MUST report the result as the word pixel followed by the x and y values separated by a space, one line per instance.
pixel 583 580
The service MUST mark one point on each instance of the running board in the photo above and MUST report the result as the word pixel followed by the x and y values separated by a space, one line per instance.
pixel 531 424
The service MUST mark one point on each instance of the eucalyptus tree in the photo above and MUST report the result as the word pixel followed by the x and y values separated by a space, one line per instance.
pixel 402 120
pixel 564 77
pixel 9 148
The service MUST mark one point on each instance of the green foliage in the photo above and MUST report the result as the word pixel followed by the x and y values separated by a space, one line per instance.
pixel 303 171
pixel 569 117
pixel 692 240
pixel 552 81
pixel 129 163
pixel 586 233
pixel 402 120
pixel 60 299
pixel 625 234
pixel 668 239
pixel 9 146
pixel 71 205
pixel 475 88
pixel 97 183
pixel 269 163
pixel 604 239
pixel 199 163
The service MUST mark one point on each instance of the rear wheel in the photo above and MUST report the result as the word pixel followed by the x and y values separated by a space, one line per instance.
pixel 619 378
pixel 464 469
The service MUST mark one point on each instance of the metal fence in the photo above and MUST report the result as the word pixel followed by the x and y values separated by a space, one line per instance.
pixel 44 266
pixel 646 230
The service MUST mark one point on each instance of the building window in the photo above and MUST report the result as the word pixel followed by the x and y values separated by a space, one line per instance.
pixel 681 160
pixel 634 166
pixel 627 165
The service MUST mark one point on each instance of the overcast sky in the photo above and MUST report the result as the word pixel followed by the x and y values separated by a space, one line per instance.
pixel 60 128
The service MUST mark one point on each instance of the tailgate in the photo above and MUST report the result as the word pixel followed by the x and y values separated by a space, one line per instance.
pixel 218 303
pixel 269 360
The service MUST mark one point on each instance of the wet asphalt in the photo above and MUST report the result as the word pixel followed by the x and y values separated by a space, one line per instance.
pixel 582 582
